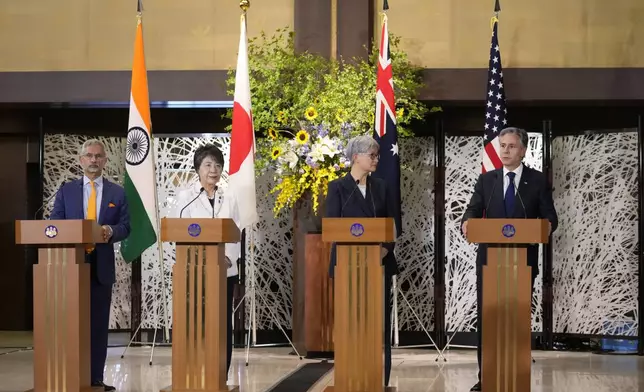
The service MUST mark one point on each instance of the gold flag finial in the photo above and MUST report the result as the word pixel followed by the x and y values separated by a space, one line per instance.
pixel 244 5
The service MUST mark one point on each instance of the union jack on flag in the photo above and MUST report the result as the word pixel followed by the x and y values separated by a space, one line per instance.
pixel 385 126
pixel 495 110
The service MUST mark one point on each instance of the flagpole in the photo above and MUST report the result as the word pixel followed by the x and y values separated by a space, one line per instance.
pixel 139 17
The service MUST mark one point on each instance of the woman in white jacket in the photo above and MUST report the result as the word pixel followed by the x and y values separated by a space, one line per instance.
pixel 206 200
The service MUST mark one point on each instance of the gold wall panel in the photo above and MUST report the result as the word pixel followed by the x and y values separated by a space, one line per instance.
pixel 541 34
pixel 76 35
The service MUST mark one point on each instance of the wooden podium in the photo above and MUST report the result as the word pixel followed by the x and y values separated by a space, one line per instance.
pixel 507 299
pixel 199 302
pixel 359 306
pixel 61 301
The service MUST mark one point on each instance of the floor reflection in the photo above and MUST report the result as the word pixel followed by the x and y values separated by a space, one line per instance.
pixel 413 371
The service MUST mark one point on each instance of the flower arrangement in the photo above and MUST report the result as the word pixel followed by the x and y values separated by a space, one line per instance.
pixel 306 160
pixel 307 107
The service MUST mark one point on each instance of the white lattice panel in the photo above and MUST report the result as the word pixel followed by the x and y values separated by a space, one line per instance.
pixel 61 163
pixel 415 247
pixel 462 168
pixel 595 247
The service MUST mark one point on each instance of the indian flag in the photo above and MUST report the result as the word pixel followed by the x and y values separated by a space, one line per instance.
pixel 140 180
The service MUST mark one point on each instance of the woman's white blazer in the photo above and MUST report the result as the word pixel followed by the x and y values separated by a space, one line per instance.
pixel 225 207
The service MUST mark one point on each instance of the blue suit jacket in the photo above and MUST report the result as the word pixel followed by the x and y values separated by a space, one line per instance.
pixel 344 199
pixel 113 212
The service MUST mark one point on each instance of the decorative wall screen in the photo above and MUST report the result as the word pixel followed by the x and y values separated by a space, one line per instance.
pixel 271 267
pixel 595 247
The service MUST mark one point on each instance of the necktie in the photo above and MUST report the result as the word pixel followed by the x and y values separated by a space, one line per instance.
pixel 510 196
pixel 91 207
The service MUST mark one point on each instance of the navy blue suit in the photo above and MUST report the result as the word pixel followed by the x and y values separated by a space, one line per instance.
pixel 113 211
pixel 344 199
pixel 533 201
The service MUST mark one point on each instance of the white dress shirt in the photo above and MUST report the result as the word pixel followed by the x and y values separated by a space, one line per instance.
pixel 225 206
pixel 517 178
pixel 87 188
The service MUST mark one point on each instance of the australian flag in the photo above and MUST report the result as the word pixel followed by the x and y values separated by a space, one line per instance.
pixel 385 127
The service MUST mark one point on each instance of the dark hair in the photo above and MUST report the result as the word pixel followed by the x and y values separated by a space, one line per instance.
pixel 521 134
pixel 207 151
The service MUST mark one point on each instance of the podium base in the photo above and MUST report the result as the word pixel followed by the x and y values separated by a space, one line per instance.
pixel 229 388
pixel 385 389
pixel 85 389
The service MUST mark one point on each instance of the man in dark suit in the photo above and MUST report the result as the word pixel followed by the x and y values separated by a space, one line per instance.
pixel 515 191
pixel 94 197
pixel 360 195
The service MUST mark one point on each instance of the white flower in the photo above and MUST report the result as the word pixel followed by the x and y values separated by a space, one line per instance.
pixel 291 158
pixel 323 147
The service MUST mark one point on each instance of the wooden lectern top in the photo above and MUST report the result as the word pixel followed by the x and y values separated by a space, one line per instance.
pixel 508 231
pixel 358 230
pixel 58 232
pixel 199 230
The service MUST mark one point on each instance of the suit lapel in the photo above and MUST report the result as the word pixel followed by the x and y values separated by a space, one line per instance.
pixel 498 197
pixel 352 191
pixel 105 199
pixel 519 211
pixel 81 197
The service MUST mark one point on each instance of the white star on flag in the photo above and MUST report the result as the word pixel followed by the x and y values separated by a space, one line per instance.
pixel 394 149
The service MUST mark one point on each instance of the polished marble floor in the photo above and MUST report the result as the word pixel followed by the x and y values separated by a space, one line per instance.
pixel 413 371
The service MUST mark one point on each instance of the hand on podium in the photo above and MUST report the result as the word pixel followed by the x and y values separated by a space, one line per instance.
pixel 383 252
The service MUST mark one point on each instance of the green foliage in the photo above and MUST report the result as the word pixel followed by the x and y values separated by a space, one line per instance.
pixel 284 84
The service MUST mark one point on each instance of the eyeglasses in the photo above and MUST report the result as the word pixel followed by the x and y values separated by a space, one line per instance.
pixel 372 156
pixel 97 156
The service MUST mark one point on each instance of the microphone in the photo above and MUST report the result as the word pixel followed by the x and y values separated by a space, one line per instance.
pixel 220 193
pixel 496 176
pixel 49 199
pixel 346 201
pixel 191 201
pixel 525 213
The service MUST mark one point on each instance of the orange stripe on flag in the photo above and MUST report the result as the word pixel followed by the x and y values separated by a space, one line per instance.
pixel 140 79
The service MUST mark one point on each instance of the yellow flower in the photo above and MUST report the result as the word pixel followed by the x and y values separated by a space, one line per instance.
pixel 281 117
pixel 302 137
pixel 310 113
pixel 341 115
pixel 272 133
pixel 276 152
pixel 400 112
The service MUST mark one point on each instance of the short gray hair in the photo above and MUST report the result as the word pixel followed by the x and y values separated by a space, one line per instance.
pixel 91 142
pixel 360 145
pixel 521 133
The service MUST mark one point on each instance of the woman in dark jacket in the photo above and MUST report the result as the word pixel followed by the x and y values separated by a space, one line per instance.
pixel 359 195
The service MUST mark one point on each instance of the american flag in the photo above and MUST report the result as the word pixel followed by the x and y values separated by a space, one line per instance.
pixel 495 111
pixel 385 126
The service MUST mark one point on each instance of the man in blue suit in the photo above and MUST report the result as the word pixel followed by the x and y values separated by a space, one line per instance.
pixel 94 197
pixel 514 191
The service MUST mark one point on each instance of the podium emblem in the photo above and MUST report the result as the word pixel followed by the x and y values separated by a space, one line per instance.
pixel 357 230
pixel 508 231
pixel 51 231
pixel 194 230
